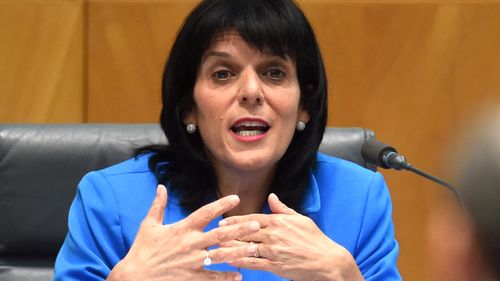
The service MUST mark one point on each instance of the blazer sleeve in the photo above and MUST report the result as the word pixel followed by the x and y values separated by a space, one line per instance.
pixel 94 243
pixel 377 249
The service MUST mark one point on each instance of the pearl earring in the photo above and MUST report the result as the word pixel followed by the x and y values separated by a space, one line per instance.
pixel 191 128
pixel 301 126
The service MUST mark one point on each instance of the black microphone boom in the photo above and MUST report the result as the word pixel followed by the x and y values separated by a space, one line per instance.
pixel 387 157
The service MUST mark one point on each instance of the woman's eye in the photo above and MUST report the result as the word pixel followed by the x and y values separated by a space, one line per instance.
pixel 222 75
pixel 275 74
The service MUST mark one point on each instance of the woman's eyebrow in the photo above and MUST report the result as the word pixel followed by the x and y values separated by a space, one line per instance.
pixel 216 54
pixel 278 58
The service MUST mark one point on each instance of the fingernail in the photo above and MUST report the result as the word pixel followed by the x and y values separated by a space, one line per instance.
pixel 238 277
pixel 234 198
pixel 222 223
pixel 275 196
pixel 254 225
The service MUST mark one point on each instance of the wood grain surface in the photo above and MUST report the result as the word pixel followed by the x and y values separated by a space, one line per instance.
pixel 42 61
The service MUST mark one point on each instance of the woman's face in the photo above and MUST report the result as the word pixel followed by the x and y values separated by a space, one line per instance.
pixel 247 104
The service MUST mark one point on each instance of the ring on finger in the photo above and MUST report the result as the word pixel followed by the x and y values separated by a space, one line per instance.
pixel 208 259
pixel 256 251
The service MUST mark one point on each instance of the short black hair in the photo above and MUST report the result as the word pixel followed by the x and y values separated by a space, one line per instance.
pixel 278 26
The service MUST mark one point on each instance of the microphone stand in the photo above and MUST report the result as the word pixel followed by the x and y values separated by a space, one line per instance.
pixel 387 157
pixel 435 179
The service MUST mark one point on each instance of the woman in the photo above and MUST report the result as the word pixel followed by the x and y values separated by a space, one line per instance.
pixel 244 110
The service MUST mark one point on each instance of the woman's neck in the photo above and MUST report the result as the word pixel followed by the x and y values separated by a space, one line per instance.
pixel 251 187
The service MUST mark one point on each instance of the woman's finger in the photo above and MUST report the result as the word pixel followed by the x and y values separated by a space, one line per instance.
pixel 261 236
pixel 278 207
pixel 256 264
pixel 221 276
pixel 263 219
pixel 256 249
pixel 221 255
pixel 204 215
pixel 232 243
pixel 223 234
pixel 157 211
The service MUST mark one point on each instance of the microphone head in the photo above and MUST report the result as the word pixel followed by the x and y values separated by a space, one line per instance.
pixel 374 151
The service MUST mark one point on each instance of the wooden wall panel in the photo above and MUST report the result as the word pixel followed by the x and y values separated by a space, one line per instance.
pixel 128 45
pixel 42 61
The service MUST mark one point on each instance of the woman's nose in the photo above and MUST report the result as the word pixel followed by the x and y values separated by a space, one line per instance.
pixel 250 91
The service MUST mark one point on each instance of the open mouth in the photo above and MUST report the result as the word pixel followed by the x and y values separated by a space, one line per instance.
pixel 250 128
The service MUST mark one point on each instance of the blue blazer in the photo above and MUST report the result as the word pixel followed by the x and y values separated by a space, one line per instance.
pixel 350 204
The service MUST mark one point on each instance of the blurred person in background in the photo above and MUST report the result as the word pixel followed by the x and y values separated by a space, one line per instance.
pixel 465 242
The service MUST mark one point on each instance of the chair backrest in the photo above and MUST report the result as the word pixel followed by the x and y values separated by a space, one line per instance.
pixel 40 166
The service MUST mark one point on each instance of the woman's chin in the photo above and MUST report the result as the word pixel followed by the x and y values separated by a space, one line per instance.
pixel 254 163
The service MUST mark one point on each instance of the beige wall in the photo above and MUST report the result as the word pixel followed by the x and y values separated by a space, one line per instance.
pixel 410 70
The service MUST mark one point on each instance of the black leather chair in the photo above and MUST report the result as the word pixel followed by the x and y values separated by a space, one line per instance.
pixel 40 166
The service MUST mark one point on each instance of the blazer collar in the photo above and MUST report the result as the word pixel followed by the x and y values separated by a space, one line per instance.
pixel 312 202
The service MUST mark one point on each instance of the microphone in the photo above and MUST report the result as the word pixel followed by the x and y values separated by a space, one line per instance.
pixel 382 155
pixel 387 157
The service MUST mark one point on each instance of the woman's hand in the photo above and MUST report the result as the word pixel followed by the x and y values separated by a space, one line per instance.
pixel 292 246
pixel 178 251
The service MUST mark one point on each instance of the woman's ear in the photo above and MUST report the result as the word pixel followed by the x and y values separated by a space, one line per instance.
pixel 191 117
pixel 304 116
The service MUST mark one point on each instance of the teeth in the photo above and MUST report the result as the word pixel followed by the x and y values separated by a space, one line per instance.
pixel 250 128
pixel 251 123
pixel 249 133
